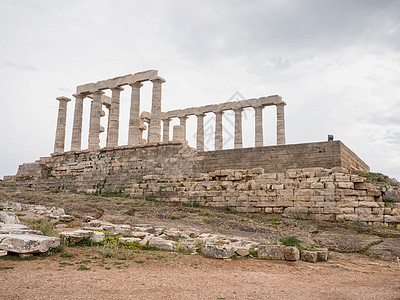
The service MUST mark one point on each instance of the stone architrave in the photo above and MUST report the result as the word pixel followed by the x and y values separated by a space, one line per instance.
pixel 200 132
pixel 155 123
pixel 95 115
pixel 166 130
pixel 61 122
pixel 218 130
pixel 76 140
pixel 113 118
pixel 259 141
pixel 134 136
pixel 280 124
pixel 238 128
pixel 182 122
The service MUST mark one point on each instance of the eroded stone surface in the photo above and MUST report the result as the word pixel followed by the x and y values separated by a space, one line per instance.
pixel 221 252
pixel 27 243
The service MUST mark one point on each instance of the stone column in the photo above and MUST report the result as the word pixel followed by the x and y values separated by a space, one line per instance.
pixel 61 121
pixel 218 130
pixel 76 140
pixel 155 123
pixel 134 132
pixel 280 124
pixel 182 122
pixel 94 126
pixel 200 132
pixel 177 133
pixel 238 128
pixel 113 118
pixel 166 130
pixel 259 140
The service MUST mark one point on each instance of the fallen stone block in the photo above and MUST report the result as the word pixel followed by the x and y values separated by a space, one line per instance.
pixel 243 251
pixel 322 255
pixel 309 256
pixel 76 236
pixel 7 217
pixel 186 247
pixel 292 253
pixel 3 252
pixel 124 240
pixel 27 243
pixel 162 244
pixel 275 252
pixel 97 236
pixel 65 218
pixel 221 252
pixel 139 235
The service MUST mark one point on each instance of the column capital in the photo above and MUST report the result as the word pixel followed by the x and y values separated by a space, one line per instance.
pixel 80 96
pixel 98 92
pixel 158 79
pixel 183 118
pixel 200 115
pixel 166 120
pixel 117 88
pixel 238 109
pixel 280 104
pixel 136 84
pixel 62 98
pixel 219 112
pixel 258 106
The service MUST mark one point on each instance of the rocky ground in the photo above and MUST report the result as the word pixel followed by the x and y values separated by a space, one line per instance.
pixel 362 259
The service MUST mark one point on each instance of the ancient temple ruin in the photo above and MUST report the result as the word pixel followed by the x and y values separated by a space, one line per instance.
pixel 138 119
pixel 309 180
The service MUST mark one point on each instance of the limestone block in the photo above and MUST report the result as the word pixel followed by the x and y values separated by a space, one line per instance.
pixel 304 192
pixel 364 186
pixel 76 236
pixel 341 178
pixel 3 252
pixel 329 185
pixel 162 244
pixel 97 236
pixel 276 252
pixel 243 251
pixel 317 185
pixel 7 217
pixel 221 252
pixel 345 185
pixel 391 219
pixel 363 210
pixel 309 256
pixel 187 246
pixel 371 218
pixel 125 240
pixel 347 210
pixel 322 254
pixel 357 179
pixel 27 243
pixel 374 193
pixel 292 254
pixel 346 217
pixel 368 204
pixel 378 211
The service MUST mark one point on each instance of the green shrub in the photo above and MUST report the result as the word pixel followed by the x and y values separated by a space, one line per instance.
pixel 291 241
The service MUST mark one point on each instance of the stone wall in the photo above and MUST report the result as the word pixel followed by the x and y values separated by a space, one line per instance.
pixel 311 193
pixel 280 158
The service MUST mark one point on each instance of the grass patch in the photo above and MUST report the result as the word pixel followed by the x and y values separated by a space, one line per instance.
pixel 139 261
pixel 291 241
pixel 83 268
pixel 180 217
pixel 66 255
pixel 6 268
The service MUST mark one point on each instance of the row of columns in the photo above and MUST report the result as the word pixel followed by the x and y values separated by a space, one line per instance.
pixel 238 139
pixel 96 112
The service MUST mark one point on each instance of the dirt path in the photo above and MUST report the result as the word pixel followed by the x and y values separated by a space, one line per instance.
pixel 164 275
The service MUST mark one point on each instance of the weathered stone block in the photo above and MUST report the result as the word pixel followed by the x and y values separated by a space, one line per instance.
pixel 309 256
pixel 27 243
pixel 221 252
pixel 275 252
pixel 292 254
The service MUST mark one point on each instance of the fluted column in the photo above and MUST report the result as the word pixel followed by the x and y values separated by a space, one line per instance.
pixel 76 139
pixel 61 121
pixel 259 140
pixel 182 122
pixel 155 123
pixel 238 128
pixel 218 130
pixel 113 118
pixel 200 132
pixel 280 124
pixel 166 130
pixel 134 137
pixel 94 126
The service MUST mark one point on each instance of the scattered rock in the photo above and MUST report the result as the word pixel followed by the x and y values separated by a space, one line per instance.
pixel 243 251
pixel 7 217
pixel 309 256
pixel 275 252
pixel 3 252
pixel 322 254
pixel 215 251
pixel 139 235
pixel 76 236
pixel 187 247
pixel 65 218
pixel 125 240
pixel 97 236
pixel 27 243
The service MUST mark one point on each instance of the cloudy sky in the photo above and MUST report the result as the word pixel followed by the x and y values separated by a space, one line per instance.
pixel 336 63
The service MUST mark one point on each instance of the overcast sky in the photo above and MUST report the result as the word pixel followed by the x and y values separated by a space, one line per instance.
pixel 336 63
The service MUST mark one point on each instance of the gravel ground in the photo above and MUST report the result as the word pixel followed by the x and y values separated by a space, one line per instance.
pixel 164 275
